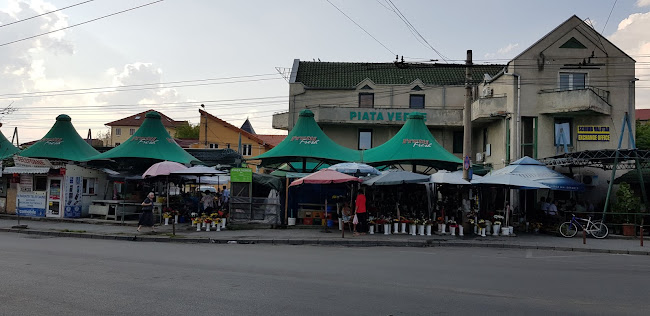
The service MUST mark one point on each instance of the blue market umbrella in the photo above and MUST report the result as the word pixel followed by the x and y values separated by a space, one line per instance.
pixel 355 168
pixel 395 177
pixel 534 170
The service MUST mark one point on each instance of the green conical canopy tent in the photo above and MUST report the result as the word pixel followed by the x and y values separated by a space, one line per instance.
pixel 151 140
pixel 61 142
pixel 412 145
pixel 7 149
pixel 307 143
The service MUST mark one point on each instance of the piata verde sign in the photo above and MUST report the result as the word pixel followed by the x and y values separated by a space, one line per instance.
pixel 381 116
pixel 241 175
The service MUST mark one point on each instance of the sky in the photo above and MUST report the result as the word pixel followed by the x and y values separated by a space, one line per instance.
pixel 174 55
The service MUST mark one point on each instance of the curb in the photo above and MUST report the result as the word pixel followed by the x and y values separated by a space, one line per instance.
pixel 323 242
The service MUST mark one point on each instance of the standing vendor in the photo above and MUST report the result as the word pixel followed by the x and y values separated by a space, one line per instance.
pixel 360 212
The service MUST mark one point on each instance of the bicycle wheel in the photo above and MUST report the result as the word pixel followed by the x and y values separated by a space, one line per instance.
pixel 599 230
pixel 568 229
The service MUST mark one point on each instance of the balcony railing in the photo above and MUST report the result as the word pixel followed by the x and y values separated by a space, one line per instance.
pixel 601 93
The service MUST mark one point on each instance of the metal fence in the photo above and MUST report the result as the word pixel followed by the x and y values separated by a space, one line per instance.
pixel 255 210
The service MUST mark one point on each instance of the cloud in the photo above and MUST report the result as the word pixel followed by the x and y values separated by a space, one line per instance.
pixel 503 52
pixel 634 39
pixel 138 73
pixel 642 3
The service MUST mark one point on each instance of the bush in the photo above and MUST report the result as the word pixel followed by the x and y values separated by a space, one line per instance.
pixel 626 202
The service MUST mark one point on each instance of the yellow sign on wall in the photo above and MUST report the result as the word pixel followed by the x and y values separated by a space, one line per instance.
pixel 593 133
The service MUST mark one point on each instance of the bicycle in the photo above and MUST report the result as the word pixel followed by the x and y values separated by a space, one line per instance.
pixel 596 228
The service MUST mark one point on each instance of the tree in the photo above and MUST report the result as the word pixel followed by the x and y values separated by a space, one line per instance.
pixel 643 135
pixel 188 131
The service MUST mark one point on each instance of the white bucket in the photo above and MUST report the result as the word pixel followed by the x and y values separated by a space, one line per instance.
pixel 292 221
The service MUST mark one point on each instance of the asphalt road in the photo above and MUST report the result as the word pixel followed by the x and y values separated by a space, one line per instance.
pixel 69 276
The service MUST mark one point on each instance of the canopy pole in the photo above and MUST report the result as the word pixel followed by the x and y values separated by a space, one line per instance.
pixel 286 202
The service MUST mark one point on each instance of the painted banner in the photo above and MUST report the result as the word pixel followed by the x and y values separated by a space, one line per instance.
pixel 241 175
pixel 72 195
pixel 31 204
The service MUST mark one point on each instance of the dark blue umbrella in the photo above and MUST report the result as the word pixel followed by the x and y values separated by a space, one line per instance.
pixel 534 170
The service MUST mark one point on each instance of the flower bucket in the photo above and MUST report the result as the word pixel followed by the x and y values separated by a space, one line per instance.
pixel 488 229
pixel 340 224
pixel 512 230
pixel 443 228
pixel 198 227
pixel 403 228
pixel 495 230
pixel 214 224
pixel 505 231
pixel 460 230
pixel 207 227
pixel 482 232
pixel 386 229
pixel 175 219
pixel 452 230
pixel 429 230
pixel 395 228
pixel 219 227
pixel 421 230
pixel 291 221
pixel 166 221
pixel 223 223
pixel 193 224
pixel 413 228
pixel 371 229
pixel 203 225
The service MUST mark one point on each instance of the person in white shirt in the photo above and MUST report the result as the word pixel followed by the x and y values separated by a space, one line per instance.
pixel 543 205
pixel 552 209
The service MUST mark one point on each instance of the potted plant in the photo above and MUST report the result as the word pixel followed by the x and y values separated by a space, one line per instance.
pixel 627 203
pixel 496 225
pixel 452 227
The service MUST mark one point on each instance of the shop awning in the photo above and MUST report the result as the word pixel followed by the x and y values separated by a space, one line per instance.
pixel 412 145
pixel 306 143
pixel 152 141
pixel 534 170
pixel 61 142
pixel 26 170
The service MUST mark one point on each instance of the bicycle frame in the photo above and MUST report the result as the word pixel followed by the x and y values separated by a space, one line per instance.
pixel 588 227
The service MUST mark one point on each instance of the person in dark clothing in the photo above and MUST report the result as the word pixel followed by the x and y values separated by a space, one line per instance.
pixel 146 218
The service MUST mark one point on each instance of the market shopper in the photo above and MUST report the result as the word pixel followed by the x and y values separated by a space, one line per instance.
pixel 208 202
pixel 360 212
pixel 146 218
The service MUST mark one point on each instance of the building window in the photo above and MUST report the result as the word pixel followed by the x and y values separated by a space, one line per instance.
pixel 131 131
pixel 458 142
pixel 247 150
pixel 416 101
pixel 365 139
pixel 40 183
pixel 117 144
pixel 227 145
pixel 118 131
pixel 366 100
pixel 572 80
pixel 563 132
pixel 89 185
pixel 213 146
pixel 529 136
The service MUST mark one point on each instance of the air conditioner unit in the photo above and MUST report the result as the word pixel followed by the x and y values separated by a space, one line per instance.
pixel 479 157
pixel 588 179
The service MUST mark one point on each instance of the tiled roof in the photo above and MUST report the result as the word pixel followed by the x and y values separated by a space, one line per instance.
pixel 235 128
pixel 338 75
pixel 186 142
pixel 137 119
pixel 642 114
pixel 272 140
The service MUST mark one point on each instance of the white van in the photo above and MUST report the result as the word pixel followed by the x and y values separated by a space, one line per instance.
pixel 203 188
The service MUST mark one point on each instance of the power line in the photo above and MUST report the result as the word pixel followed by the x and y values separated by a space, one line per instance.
pixel 361 27
pixel 82 23
pixel 46 13
pixel 610 14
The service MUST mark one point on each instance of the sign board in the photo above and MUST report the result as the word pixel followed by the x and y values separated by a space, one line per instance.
pixel 31 204
pixel 466 163
pixel 20 161
pixel 72 196
pixel 241 175
pixel 381 116
pixel 26 182
pixel 593 133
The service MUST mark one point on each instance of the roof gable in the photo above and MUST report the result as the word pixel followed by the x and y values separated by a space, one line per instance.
pixel 235 129
pixel 137 119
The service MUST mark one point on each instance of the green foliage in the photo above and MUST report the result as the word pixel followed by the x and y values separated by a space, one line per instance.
pixel 626 201
pixel 188 131
pixel 643 136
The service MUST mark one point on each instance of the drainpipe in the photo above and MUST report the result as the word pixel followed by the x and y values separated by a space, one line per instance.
pixel 518 115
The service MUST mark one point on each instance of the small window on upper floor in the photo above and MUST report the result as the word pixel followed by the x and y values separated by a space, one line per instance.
pixel 366 100
pixel 131 131
pixel 118 131
pixel 416 101
pixel 572 80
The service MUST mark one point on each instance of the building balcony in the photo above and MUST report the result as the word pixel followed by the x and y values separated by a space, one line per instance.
pixel 489 109
pixel 587 101
pixel 281 121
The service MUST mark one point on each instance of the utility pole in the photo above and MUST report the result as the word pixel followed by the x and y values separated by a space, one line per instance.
pixel 206 127
pixel 467 118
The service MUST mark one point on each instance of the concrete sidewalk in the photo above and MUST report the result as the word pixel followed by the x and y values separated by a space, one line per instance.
pixel 295 236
